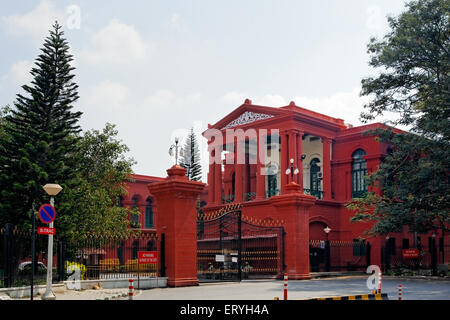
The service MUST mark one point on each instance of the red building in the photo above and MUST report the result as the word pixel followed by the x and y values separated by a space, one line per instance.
pixel 324 155
pixel 256 151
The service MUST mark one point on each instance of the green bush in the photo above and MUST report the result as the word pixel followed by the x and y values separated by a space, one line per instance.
pixel 442 270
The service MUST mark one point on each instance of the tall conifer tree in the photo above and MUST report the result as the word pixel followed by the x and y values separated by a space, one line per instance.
pixel 191 158
pixel 40 133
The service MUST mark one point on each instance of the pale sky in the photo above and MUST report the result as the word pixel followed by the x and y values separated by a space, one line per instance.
pixel 156 68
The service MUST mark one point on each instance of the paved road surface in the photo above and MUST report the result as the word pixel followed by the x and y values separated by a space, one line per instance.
pixel 304 289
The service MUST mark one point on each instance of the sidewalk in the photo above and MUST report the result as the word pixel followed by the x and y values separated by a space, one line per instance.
pixel 90 294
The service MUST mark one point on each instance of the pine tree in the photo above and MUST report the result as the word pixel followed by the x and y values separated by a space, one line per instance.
pixel 40 133
pixel 191 158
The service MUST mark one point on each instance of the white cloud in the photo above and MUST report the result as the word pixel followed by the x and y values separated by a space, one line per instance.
pixel 161 98
pixel 271 100
pixel 19 73
pixel 116 44
pixel 107 95
pixel 342 105
pixel 178 23
pixel 235 97
pixel 35 23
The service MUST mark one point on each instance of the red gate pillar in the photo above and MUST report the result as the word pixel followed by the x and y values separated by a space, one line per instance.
pixel 177 219
pixel 293 208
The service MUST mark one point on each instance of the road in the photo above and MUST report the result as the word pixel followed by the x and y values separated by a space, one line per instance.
pixel 413 289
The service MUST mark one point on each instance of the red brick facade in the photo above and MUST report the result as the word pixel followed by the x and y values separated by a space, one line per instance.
pixel 324 150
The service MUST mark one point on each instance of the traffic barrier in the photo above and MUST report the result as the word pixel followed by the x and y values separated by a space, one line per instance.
pixel 285 285
pixel 378 296
pixel 399 292
pixel 379 282
pixel 131 289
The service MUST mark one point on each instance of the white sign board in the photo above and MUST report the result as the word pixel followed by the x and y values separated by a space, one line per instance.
pixel 220 258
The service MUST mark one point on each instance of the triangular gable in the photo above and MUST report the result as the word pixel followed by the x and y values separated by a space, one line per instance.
pixel 247 117
pixel 245 114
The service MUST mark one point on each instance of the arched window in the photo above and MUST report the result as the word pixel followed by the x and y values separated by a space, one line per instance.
pixel 134 219
pixel 120 253
pixel 315 177
pixel 149 214
pixel 135 249
pixel 359 171
pixel 151 245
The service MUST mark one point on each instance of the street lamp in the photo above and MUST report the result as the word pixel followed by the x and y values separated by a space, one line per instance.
pixel 175 147
pixel 327 231
pixel 327 250
pixel 292 170
pixel 52 190
pixel 433 254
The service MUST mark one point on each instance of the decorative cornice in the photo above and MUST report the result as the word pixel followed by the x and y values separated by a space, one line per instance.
pixel 247 117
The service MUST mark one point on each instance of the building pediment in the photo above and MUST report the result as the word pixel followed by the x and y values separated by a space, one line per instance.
pixel 247 117
pixel 247 113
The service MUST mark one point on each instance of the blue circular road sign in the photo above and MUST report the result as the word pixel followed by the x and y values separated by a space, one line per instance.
pixel 47 213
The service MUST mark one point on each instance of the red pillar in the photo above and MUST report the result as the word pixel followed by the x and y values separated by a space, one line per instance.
pixel 293 208
pixel 218 183
pixel 326 168
pixel 211 184
pixel 292 152
pixel 239 182
pixel 260 176
pixel 239 170
pixel 176 198
pixel 284 161
pixel 299 158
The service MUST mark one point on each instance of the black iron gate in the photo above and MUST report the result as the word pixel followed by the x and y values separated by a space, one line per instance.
pixel 231 248
pixel 326 256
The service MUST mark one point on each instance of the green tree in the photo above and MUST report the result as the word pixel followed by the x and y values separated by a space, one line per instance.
pixel 40 133
pixel 104 171
pixel 191 158
pixel 413 60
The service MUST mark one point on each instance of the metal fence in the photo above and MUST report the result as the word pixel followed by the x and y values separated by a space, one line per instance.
pixel 325 256
pixel 96 256
pixel 429 258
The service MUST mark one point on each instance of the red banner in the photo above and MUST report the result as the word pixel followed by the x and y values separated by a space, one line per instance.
pixel 410 253
pixel 147 257
pixel 45 230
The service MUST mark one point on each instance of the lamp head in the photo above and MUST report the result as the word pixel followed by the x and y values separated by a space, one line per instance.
pixel 327 230
pixel 52 189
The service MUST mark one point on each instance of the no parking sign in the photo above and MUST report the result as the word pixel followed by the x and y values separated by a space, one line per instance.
pixel 47 213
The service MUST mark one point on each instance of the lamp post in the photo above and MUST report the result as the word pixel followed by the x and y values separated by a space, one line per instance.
pixel 433 254
pixel 52 190
pixel 292 170
pixel 387 256
pixel 327 250
pixel 177 152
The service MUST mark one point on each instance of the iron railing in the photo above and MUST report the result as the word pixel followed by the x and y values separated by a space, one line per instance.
pixel 316 193
pixel 96 256
pixel 272 192
pixel 228 198
pixel 249 196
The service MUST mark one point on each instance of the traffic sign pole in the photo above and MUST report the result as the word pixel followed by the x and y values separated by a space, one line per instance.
pixel 49 295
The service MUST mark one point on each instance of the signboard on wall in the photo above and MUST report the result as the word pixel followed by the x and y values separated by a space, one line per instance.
pixel 410 253
pixel 147 257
